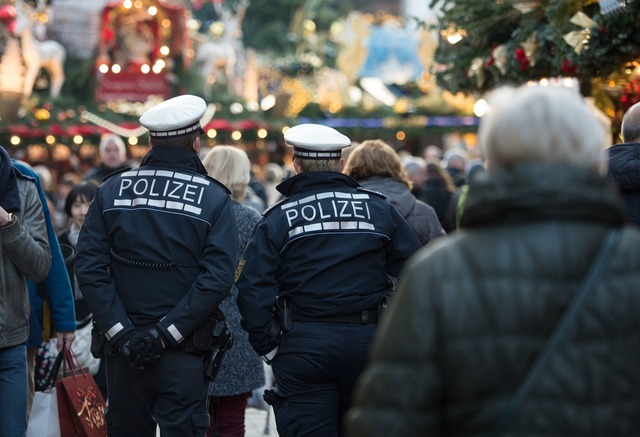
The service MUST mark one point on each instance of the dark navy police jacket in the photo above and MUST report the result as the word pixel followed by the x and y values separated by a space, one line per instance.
pixel 329 247
pixel 158 245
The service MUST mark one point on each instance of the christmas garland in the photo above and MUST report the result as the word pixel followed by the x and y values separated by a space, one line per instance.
pixel 485 44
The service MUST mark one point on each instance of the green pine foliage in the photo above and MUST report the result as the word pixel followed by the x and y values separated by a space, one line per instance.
pixel 471 65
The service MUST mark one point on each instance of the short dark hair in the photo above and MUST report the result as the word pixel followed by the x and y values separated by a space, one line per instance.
pixel 183 141
pixel 309 165
pixel 82 191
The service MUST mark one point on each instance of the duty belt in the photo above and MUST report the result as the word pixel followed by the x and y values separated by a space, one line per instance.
pixel 366 316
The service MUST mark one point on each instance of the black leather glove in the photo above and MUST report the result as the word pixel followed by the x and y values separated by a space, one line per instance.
pixel 143 349
pixel 122 340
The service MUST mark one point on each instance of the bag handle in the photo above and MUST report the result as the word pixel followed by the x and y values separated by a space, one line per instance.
pixel 50 381
pixel 598 266
pixel 73 361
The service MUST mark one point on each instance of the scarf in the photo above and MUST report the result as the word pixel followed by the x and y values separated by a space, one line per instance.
pixel 9 195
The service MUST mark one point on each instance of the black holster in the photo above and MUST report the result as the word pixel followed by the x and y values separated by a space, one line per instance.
pixel 98 341
pixel 201 339
pixel 222 342
pixel 281 320
pixel 383 305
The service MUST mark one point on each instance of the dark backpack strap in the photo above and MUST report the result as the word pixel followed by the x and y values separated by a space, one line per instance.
pixel 593 275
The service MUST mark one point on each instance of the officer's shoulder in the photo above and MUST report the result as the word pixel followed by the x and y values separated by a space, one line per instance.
pixel 366 190
pixel 273 207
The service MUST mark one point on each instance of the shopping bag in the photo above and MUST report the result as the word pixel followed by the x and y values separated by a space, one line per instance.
pixel 46 355
pixel 80 403
pixel 43 417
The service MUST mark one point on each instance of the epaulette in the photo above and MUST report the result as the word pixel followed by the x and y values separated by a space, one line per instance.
pixel 115 173
pixel 377 193
pixel 279 202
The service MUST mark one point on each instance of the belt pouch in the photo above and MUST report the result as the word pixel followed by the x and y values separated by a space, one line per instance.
pixel 202 337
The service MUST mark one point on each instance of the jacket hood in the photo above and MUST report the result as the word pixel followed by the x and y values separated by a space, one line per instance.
pixel 530 192
pixel 396 192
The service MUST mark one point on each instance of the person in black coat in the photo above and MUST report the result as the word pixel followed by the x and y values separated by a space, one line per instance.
pixel 156 257
pixel 624 163
pixel 326 255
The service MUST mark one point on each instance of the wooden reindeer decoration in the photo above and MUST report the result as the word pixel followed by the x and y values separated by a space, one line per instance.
pixel 47 54
pixel 222 56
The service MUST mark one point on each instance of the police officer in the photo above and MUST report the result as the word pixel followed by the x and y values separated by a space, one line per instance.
pixel 156 257
pixel 324 255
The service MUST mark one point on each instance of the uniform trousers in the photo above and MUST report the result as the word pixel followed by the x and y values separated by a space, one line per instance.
pixel 315 371
pixel 172 393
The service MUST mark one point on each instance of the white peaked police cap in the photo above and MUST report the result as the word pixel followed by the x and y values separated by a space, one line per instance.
pixel 315 141
pixel 174 117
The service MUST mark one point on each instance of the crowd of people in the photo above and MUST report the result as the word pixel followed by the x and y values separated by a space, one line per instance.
pixel 389 294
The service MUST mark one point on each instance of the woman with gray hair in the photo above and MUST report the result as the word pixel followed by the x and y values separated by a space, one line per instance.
pixel 492 329
pixel 113 157
pixel 242 370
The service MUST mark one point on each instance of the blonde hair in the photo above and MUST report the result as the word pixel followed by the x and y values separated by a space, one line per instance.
pixel 540 124
pixel 231 167
pixel 375 158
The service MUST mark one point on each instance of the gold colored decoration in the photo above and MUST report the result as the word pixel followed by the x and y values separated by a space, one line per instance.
pixel 501 58
pixel 42 114
pixel 476 70
pixel 527 6
pixel 453 34
pixel 531 46
pixel 579 38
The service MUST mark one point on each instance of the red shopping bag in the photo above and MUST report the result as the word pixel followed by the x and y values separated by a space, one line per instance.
pixel 80 403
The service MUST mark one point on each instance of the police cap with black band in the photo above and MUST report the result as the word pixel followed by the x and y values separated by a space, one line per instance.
pixel 316 141
pixel 175 117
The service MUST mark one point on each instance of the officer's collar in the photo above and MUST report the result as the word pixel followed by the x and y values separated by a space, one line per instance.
pixel 321 179
pixel 177 157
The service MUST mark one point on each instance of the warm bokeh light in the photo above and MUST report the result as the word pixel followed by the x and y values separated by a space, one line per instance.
pixel 480 107
pixel 268 102
pixel 309 25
